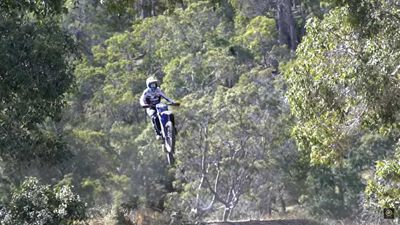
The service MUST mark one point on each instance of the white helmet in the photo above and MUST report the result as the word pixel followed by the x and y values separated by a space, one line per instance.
pixel 152 83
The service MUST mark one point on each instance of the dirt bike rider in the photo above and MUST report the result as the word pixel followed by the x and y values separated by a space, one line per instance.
pixel 150 98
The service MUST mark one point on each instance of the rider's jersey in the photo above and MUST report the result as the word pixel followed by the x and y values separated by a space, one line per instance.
pixel 153 97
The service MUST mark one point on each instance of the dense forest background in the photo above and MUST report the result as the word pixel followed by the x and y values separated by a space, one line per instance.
pixel 289 109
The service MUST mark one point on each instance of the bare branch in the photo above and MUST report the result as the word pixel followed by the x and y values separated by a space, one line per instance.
pixel 395 71
pixel 214 189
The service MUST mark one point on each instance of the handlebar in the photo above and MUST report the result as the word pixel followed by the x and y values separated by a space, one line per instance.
pixel 171 104
pixel 174 104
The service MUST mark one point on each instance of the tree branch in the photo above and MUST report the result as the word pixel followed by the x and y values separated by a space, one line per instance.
pixel 214 191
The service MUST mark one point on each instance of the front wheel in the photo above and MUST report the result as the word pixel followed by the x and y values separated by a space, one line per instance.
pixel 169 142
pixel 170 159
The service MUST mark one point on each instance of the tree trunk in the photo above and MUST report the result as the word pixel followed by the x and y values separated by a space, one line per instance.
pixel 269 205
pixel 283 203
pixel 302 28
pixel 153 4
pixel 145 8
pixel 227 213
pixel 286 24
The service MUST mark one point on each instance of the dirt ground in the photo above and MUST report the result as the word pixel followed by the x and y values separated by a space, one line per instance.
pixel 270 222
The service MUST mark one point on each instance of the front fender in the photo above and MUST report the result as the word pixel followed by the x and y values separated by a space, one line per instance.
pixel 165 117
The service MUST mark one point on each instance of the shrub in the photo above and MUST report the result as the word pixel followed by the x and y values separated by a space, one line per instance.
pixel 36 204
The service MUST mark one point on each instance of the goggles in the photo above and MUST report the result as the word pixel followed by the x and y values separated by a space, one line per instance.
pixel 153 85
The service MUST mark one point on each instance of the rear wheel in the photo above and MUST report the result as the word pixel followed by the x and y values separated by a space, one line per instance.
pixel 169 142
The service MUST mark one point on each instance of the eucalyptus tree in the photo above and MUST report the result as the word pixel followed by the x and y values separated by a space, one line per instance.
pixel 344 83
pixel 235 145
pixel 36 73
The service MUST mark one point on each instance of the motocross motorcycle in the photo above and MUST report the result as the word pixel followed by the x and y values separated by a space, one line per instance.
pixel 168 130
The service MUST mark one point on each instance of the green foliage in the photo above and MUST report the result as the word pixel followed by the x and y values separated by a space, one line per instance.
pixel 39 9
pixel 332 193
pixel 220 59
pixel 219 65
pixel 343 85
pixel 36 73
pixel 336 81
pixel 317 95
pixel 33 203
pixel 237 134
pixel 259 36
pixel 382 190
pixel 339 188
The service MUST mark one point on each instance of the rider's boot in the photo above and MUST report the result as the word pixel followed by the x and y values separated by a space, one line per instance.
pixel 156 127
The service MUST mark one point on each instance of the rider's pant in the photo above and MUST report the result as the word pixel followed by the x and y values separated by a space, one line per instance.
pixel 151 112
